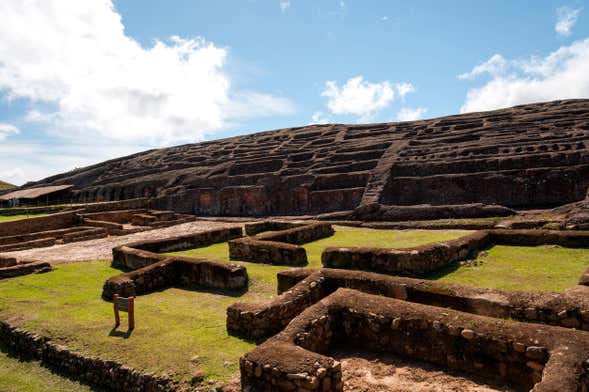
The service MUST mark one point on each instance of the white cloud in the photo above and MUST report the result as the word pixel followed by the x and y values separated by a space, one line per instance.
pixel 87 79
pixel 284 5
pixel 320 118
pixel 13 176
pixel 566 18
pixel 495 65
pixel 408 114
pixel 358 97
pixel 404 89
pixel 7 129
pixel 23 162
pixel 560 75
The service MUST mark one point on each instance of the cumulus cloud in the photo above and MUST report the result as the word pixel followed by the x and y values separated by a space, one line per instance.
pixel 7 129
pixel 409 114
pixel 86 78
pixel 284 5
pixel 496 65
pixel 28 161
pixel 566 17
pixel 361 98
pixel 560 75
pixel 13 176
pixel 404 89
pixel 320 118
pixel 357 96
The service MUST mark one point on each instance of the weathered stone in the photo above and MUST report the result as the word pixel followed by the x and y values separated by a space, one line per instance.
pixel 391 171
pixel 536 352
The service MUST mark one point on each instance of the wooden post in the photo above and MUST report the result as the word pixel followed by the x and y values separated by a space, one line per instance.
pixel 124 305
pixel 131 313
pixel 116 307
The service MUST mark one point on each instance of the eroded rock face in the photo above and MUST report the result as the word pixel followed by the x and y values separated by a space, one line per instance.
pixel 530 156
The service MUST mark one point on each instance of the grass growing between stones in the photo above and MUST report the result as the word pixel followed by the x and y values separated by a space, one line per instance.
pixel 19 217
pixel 18 376
pixel 173 325
pixel 541 268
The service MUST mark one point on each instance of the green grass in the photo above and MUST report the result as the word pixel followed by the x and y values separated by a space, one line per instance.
pixel 19 217
pixel 541 268
pixel 172 325
pixel 18 376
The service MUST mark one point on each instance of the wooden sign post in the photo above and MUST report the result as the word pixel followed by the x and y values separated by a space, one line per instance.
pixel 124 305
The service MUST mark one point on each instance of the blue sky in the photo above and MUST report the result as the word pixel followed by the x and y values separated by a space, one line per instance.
pixel 81 82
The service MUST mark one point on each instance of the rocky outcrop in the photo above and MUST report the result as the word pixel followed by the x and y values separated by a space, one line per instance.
pixel 529 156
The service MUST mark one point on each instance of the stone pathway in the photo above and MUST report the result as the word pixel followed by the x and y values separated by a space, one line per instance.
pixel 101 249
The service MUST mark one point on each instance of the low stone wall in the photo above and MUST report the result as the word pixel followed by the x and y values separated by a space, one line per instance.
pixel 569 239
pixel 177 271
pixel 40 243
pixel 129 204
pixel 267 252
pixel 105 374
pixel 24 268
pixel 530 357
pixel 300 288
pixel 167 223
pixel 300 235
pixel 408 261
pixel 142 219
pixel 110 226
pixel 127 258
pixel 268 225
pixel 424 259
pixel 57 234
pixel 7 261
pixel 85 235
pixel 281 247
pixel 189 241
pixel 31 210
pixel 44 223
pixel 153 271
pixel 118 216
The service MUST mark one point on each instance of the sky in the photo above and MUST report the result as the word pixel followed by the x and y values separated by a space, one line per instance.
pixel 86 81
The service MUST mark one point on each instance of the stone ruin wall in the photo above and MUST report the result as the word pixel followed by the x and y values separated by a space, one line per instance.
pixel 530 156
pixel 529 357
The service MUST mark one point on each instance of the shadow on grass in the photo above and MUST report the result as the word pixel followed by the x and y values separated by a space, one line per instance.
pixel 442 272
pixel 120 334
pixel 13 354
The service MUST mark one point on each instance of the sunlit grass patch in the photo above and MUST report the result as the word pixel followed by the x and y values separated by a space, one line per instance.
pixel 173 325
pixel 19 217
pixel 540 268
pixel 19 376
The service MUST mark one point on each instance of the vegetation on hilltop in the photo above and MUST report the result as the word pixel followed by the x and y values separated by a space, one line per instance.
pixel 4 186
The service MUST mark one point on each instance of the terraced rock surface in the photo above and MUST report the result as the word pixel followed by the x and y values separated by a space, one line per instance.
pixel 530 156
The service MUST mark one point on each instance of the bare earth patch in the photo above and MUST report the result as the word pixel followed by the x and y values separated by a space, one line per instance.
pixel 101 249
pixel 386 373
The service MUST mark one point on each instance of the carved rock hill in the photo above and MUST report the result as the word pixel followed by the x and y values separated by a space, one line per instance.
pixel 529 156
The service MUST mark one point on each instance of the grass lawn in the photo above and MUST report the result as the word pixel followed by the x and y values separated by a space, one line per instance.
pixel 17 376
pixel 539 268
pixel 173 325
pixel 18 217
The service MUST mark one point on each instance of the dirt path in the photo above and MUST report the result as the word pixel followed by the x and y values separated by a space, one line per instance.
pixel 371 373
pixel 101 249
